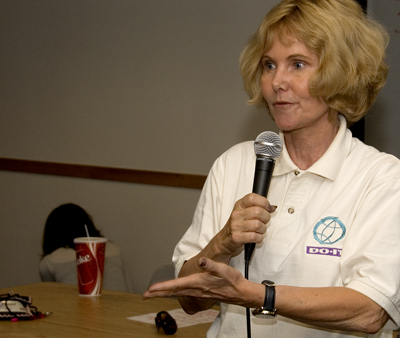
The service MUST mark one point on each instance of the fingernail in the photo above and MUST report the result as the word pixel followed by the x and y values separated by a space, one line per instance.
pixel 272 208
pixel 203 263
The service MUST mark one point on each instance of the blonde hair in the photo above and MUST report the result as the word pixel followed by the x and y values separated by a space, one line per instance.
pixel 350 46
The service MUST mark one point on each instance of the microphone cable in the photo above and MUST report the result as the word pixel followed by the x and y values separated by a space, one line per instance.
pixel 246 275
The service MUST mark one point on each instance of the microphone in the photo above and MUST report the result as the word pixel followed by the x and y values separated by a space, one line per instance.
pixel 267 146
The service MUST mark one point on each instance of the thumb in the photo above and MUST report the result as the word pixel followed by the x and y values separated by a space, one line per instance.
pixel 223 272
pixel 214 268
pixel 206 264
pixel 203 262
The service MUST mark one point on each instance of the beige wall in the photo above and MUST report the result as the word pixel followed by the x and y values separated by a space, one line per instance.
pixel 150 85
pixel 383 120
pixel 146 221
pixel 133 84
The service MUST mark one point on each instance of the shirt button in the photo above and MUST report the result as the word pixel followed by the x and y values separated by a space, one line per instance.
pixel 296 172
pixel 290 210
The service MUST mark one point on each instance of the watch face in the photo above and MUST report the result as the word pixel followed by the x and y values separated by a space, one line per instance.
pixel 268 282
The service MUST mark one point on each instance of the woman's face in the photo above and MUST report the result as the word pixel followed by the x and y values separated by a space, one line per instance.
pixel 287 69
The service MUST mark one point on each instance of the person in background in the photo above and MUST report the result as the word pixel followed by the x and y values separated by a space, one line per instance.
pixel 327 256
pixel 58 264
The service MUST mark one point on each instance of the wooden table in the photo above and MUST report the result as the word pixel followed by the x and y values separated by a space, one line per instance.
pixel 74 316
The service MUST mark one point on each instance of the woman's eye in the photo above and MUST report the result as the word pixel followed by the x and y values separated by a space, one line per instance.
pixel 299 65
pixel 269 65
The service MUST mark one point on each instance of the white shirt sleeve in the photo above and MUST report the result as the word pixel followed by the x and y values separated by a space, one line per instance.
pixel 371 256
pixel 230 179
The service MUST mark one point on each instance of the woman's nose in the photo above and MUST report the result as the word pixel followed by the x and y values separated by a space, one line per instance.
pixel 280 80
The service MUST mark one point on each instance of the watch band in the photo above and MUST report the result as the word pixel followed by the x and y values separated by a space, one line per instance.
pixel 269 301
pixel 268 309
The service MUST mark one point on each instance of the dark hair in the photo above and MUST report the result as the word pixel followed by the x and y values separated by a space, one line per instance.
pixel 64 224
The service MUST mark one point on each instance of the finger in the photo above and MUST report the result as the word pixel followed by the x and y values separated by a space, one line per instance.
pixel 158 290
pixel 207 265
pixel 248 237
pixel 187 289
pixel 167 285
pixel 256 213
pixel 256 200
pixel 221 274
pixel 214 268
pixel 251 213
pixel 250 220
pixel 172 287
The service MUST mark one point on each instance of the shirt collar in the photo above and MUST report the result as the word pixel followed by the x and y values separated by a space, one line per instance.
pixel 330 164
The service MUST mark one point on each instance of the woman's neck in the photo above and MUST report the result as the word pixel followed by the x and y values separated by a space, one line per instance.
pixel 305 147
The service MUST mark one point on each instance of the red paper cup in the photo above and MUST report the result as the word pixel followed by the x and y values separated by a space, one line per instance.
pixel 90 253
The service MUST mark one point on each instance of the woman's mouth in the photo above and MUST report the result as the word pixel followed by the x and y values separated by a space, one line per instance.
pixel 282 104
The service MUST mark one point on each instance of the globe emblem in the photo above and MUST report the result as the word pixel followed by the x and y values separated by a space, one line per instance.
pixel 329 230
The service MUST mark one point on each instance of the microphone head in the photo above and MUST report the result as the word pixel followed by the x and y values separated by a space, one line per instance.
pixel 268 144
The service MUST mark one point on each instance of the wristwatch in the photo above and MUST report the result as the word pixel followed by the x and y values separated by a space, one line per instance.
pixel 268 309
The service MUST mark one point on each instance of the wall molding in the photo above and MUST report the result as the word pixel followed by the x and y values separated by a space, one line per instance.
pixel 103 173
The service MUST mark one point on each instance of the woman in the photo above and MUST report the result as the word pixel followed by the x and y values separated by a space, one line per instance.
pixel 330 244
pixel 63 225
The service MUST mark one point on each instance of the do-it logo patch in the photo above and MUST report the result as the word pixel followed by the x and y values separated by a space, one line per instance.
pixel 329 230
pixel 313 250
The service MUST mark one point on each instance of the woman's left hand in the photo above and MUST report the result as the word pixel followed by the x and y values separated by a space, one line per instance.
pixel 219 282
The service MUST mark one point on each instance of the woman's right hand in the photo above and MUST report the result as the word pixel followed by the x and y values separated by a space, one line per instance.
pixel 247 224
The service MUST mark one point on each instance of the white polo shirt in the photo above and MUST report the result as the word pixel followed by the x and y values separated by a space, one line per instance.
pixel 337 224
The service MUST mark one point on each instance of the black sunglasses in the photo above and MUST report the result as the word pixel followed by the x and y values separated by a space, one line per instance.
pixel 166 322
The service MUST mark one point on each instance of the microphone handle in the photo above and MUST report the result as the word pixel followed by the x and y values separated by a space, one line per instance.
pixel 263 175
pixel 262 179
